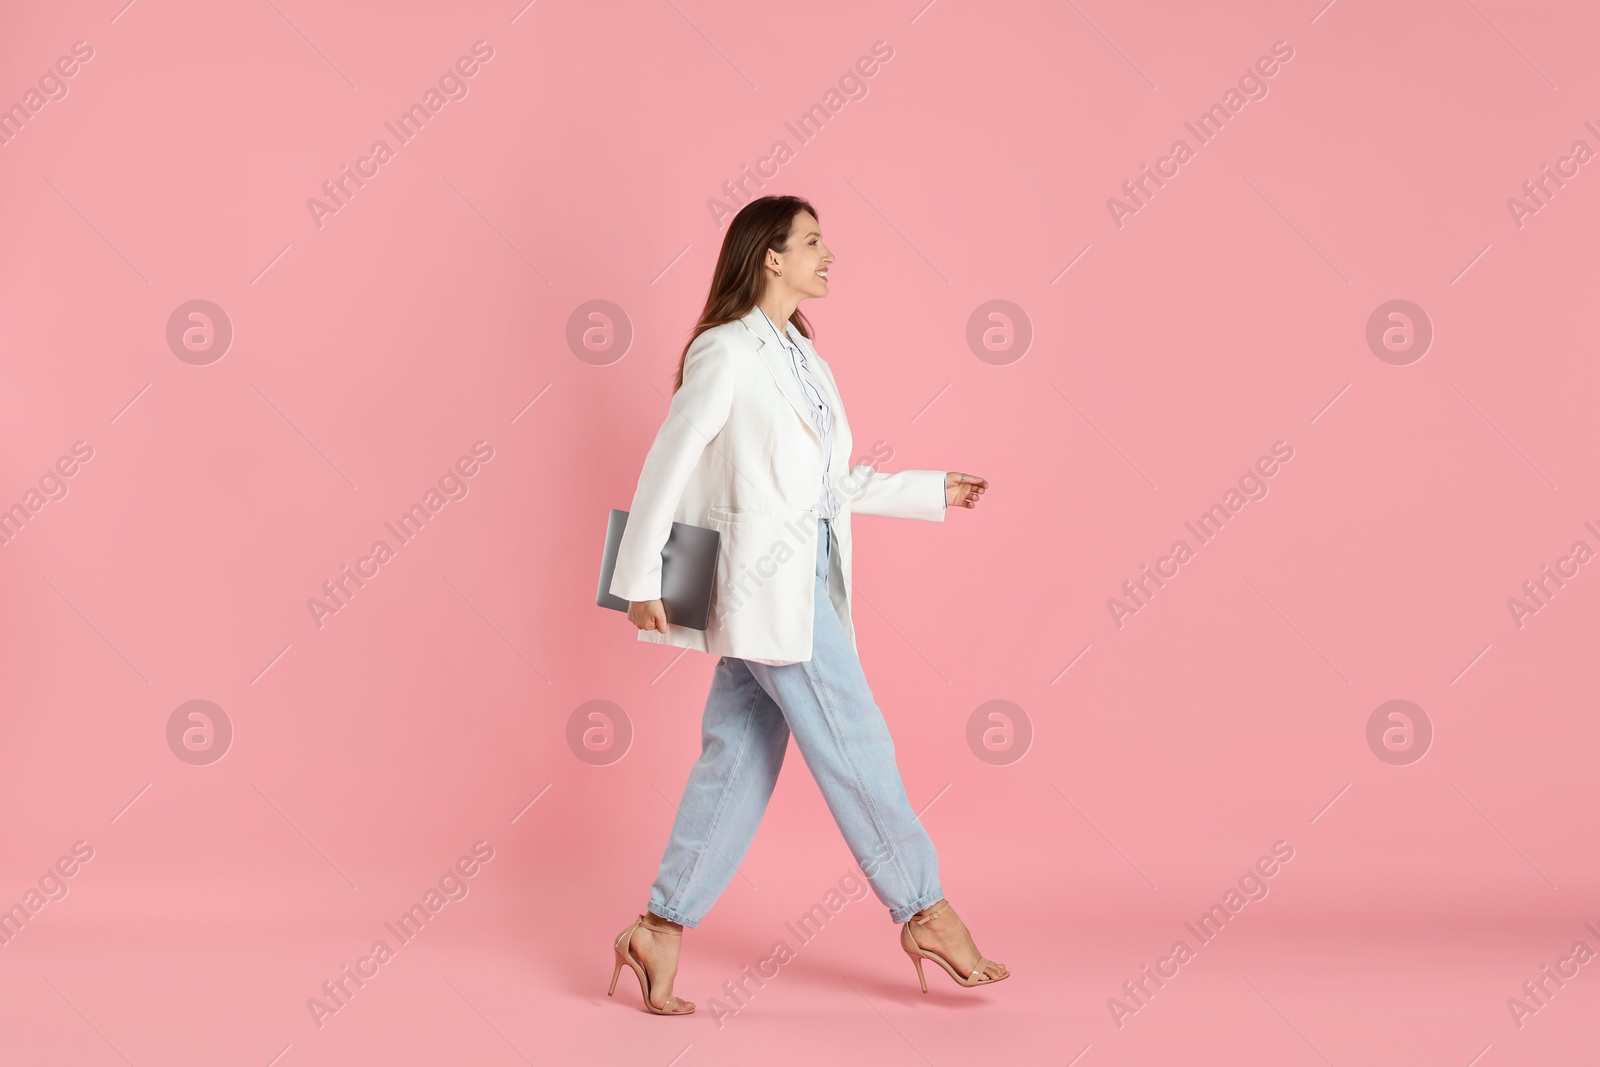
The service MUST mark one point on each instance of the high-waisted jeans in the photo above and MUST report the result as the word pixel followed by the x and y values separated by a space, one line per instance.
pixel 749 714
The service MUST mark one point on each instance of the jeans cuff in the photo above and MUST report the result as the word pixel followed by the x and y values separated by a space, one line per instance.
pixel 676 916
pixel 903 914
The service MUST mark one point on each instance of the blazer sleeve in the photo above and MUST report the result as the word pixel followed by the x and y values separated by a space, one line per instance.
pixel 913 494
pixel 698 412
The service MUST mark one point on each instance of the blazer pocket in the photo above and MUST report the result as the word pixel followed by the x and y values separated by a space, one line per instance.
pixel 717 513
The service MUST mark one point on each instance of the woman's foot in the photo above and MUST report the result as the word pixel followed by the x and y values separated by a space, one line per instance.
pixel 947 935
pixel 658 952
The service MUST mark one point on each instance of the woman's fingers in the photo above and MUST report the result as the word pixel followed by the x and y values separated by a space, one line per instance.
pixel 968 487
pixel 648 615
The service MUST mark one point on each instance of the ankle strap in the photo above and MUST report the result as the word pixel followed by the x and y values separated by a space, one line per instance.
pixel 931 915
pixel 659 929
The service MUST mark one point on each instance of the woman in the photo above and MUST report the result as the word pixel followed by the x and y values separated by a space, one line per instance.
pixel 757 447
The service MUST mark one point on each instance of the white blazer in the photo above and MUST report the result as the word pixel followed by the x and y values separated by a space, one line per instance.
pixel 739 454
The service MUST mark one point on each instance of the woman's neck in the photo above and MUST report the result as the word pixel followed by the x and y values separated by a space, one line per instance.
pixel 778 313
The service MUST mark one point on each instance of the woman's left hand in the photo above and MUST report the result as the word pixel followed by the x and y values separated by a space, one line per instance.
pixel 962 490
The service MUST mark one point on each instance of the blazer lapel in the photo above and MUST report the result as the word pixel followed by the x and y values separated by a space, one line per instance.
pixel 778 363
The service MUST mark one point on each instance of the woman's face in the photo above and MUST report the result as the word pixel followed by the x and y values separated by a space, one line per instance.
pixel 805 265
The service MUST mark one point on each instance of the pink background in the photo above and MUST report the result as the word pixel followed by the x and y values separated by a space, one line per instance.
pixel 432 312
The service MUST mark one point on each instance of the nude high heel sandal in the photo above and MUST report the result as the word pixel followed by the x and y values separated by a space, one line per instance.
pixel 624 953
pixel 918 954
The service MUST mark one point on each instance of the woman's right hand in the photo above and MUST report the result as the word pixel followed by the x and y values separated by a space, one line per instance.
pixel 648 614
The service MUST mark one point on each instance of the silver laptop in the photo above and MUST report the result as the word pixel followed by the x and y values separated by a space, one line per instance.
pixel 688 571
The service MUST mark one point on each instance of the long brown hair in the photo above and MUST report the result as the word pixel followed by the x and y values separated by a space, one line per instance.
pixel 736 284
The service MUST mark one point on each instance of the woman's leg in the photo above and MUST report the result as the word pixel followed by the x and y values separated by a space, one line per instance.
pixel 841 733
pixel 743 740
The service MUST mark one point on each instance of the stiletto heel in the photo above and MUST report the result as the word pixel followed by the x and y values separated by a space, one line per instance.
pixel 624 953
pixel 614 972
pixel 918 954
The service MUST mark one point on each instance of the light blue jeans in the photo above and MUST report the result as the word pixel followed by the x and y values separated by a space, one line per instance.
pixel 826 704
